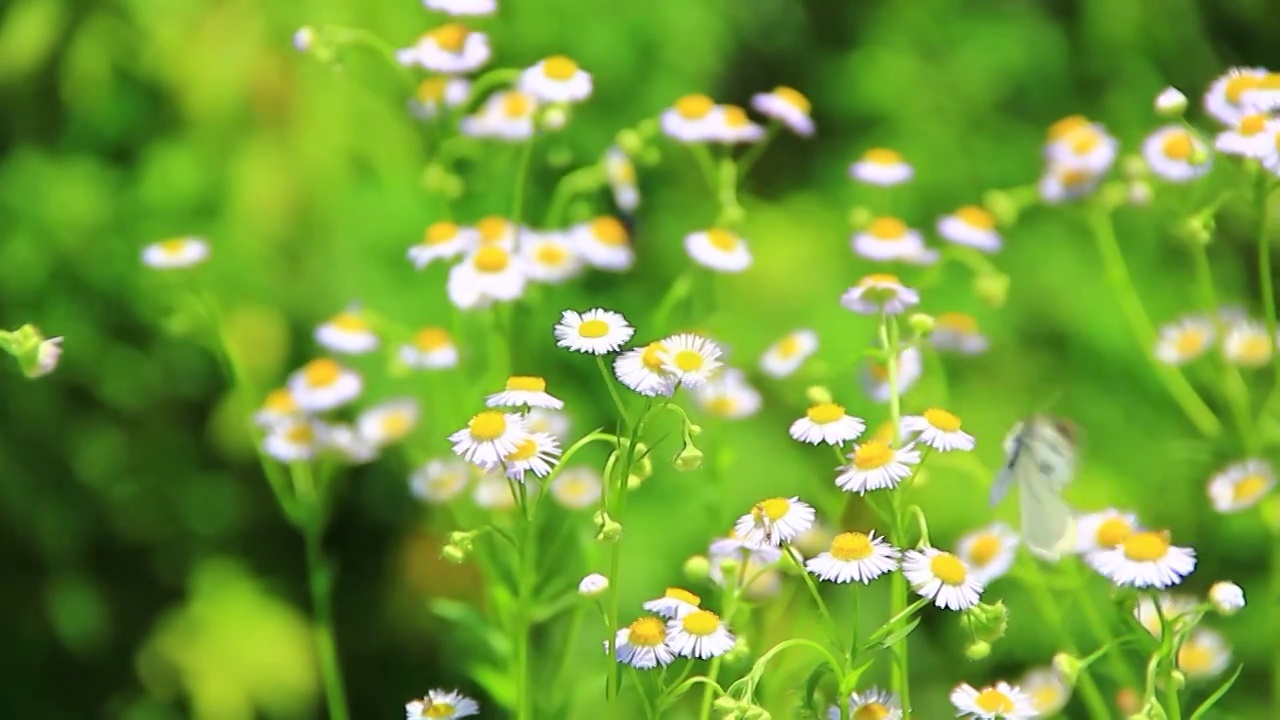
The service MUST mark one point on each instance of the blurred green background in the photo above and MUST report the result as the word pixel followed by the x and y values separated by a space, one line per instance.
pixel 148 574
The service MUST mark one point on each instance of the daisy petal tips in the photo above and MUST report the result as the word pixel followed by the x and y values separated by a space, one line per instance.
pixel 877 293
pixel 595 332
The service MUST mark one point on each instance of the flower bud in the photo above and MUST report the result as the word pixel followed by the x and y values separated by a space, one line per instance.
pixel 304 39
pixel 1140 193
pixel 1113 194
pixel 1170 103
pixel 1133 167
pixel 1002 206
pixel 641 466
pixel 986 622
pixel 817 395
pixel 454 553
pixel 555 117
pixel 610 530
pixel 593 586
pixel 860 217
pixel 921 324
pixel 629 141
pixel 1068 666
pixel 977 650
pixel 726 705
pixel 697 568
pixel 992 288
pixel 690 458
pixel 1227 597
pixel 1179 679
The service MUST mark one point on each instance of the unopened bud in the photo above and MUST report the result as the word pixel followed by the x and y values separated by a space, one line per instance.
pixel 1227 597
pixel 1171 103
pixel 1140 193
pixel 454 554
pixel 977 650
pixel 860 217
pixel 1179 679
pixel 697 568
pixel 1133 167
pixel 817 395
pixel 593 586
pixel 741 650
pixel 630 141
pixel 1113 194
pixel 1002 207
pixel 304 39
pixel 992 288
pixel 1068 666
pixel 610 530
pixel 725 705
pixel 641 465
pixel 555 117
pixel 690 458
pixel 921 323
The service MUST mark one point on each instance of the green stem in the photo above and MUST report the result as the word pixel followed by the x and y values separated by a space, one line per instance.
pixel 1117 274
pixel 1098 626
pixel 1048 608
pixel 522 173
pixel 485 84
pixel 619 490
pixel 526 579
pixel 750 157
pixel 705 164
pixel 1234 387
pixel 713 673
pixel 610 383
pixel 320 581
pixel 832 630
pixel 584 179
pixel 1264 258
pixel 898 583
pixel 359 36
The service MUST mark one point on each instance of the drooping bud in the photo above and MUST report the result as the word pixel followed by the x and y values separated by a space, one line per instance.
pixel 1227 597
pixel 593 586
pixel 697 568
pixel 921 324
pixel 1171 103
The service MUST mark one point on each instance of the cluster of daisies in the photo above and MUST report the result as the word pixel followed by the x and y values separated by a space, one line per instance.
pixel 1040 693
pixel 1243 341
pixel 678 626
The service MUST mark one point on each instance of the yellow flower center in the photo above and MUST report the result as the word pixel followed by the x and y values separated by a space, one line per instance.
pixel 1253 348
pixel 871 711
pixel 552 254
pixel 1065 126
pixel 173 247
pixel 942 420
pixel 491 259
pixel 879 279
pixel 1074 177
pixel 609 231
pixel 280 401
pixel 689 360
pixel 824 413
pixel 694 107
pixel 492 228
pixel 682 595
pixel 700 622
pixel 773 509
pixel 976 217
pixel 450 37
pixel 1085 140
pixel 573 488
pixel 963 323
pixel 872 454
pixel 793 98
pixel 322 372
pixel 440 232
pixel 722 405
pixel 1189 341
pixel 525 450
pixel 1046 697
pixel 734 116
pixel 652 356
pixel 948 568
pixel 488 425
pixel 851 546
pixel 1145 547
pixel 1240 84
pixel 428 339
pixel 527 383
pixel 559 67
pixel 1113 531
pixel 881 156
pixel 879 372
pixel 349 322
pixel 516 104
pixel 299 433
pixel 789 346
pixel 647 632
pixel 984 549
pixel 1178 145
pixel 1195 657
pixel 396 424
pixel 1252 124
pixel 993 701
pixel 1249 488
pixel 431 89
pixel 440 710
pixel 722 240
pixel 593 329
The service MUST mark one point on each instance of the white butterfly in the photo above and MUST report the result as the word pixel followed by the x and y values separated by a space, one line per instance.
pixel 1040 456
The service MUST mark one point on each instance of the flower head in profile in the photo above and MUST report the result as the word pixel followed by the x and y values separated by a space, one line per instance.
pixel 294 440
pixel 1228 96
pixel 1185 340
pixel 437 93
pixel 452 49
pixel 1176 155
pixel 43 360
pixel 1144 559
pixel 593 586
pixel 879 292
pixel 675 603
pixel 775 521
pixel 718 249
pixel 733 126
pixel 176 253
pixel 787 106
pixel 549 421
pixel 556 79
pixel 505 115
pixel 691 359
pixel 550 257
pixel 1226 597
pixel 347 332
pixel 1241 485
pixel 389 421
pixel 442 240
pixel 643 644
pixel 323 384
pixel 1001 701
pixel 1175 609
pixel 942 577
pixel 349 444
pixel 1204 654
pixel 989 551
pixel 488 274
pixel 462 7
pixel 938 429
pixel 1077 144
pixel 888 238
pixel 1048 689
pixel 881 166
pixel 785 356
pixel 1104 530
pixel 431 348
pixel 827 423
pixel 854 557
pixel 958 332
pixel 971 226
pixel 620 172
pixel 524 391
pixel 1248 344
pixel 489 437
pixel 728 395
pixel 440 480
pixel 874 374
pixel 1250 136
pixel 441 705
pixel 493 491
pixel 604 243
pixel 699 634
pixel 536 453
pixel 577 488
pixel 1064 183
pixel 277 408
pixel 692 119
pixel 595 332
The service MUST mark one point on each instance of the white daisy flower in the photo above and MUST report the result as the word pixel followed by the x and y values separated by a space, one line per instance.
pixel 939 430
pixel 497 231
pixel 524 391
pixel 1226 597
pixel 1086 147
pixel 875 374
pixel 1204 654
pixel 549 257
pixel 1176 155
pixel 690 359
pixel 1225 98
pixel 1144 559
pixel 489 437
pixel 786 356
pixel 463 7
pixel 347 332
pixel 577 488
pixel 437 93
pixel 719 250
pixel 604 243
pixel 881 166
pixel 958 332
pixel 488 274
pixel 1048 689
pixel 740 548
pixel 691 119
pixel 786 106
pixel 1251 136
pixel 1185 340
pixel 674 603
pixel 556 79
pixel 441 705
pixel 728 396
pixel 452 49
pixel 878 293
pixel 942 577
pixel 349 444
pixel 1103 530
pixel 621 175
pixel 854 556
pixel 775 521
pixel 970 226
pixel 1247 344
pixel 596 331
pixel 323 384
pixel 1001 701
pixel 431 348
pixel 643 644
pixel 537 452
pixel 1060 129
pixel 989 551
pixel 641 370
pixel 292 441
pixel 871 704
pixel 874 465
pixel 1241 485
pixel 888 238
pixel 441 241
pixel 493 491
pixel 1266 96
pixel 278 408
pixel 827 423
pixel 735 127
pixel 699 634
pixel 505 115
pixel 176 253
pixel 545 420
pixel 1175 608
pixel 1062 183
pixel 440 480
pixel 389 421
pixel 1271 159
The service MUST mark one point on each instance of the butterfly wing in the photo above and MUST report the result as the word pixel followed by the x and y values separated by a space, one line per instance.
pixel 1046 465
pixel 1013 453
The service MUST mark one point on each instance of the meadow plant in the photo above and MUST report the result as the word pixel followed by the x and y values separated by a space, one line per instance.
pixel 542 512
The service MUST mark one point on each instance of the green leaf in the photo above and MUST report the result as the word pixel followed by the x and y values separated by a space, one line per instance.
pixel 1204 708
pixel 468 619
pixel 496 683
pixel 811 688
pixel 901 633
pixel 852 677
